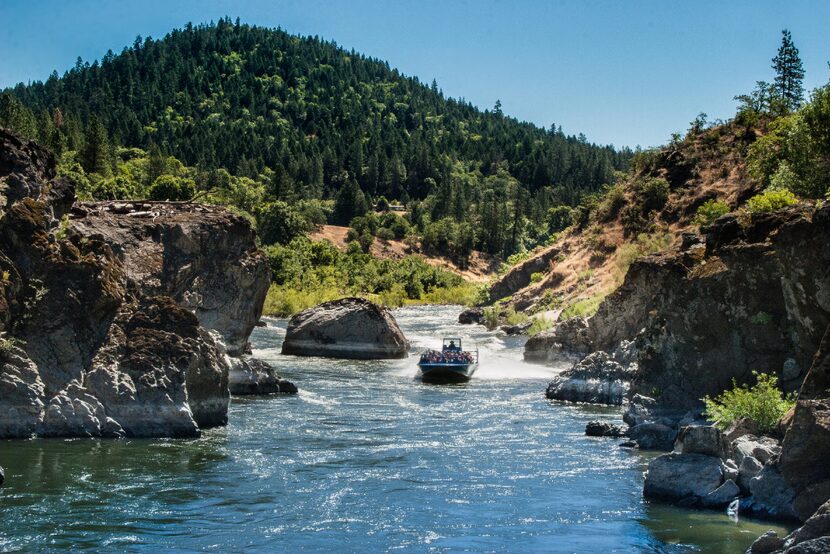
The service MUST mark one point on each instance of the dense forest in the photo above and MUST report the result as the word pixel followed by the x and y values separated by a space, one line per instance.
pixel 307 120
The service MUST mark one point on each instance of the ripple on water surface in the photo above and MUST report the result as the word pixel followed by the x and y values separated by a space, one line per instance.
pixel 364 458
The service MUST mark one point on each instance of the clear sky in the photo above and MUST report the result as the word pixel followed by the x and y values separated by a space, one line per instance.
pixel 627 73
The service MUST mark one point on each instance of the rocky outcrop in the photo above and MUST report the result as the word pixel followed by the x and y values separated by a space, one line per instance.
pixel 100 337
pixel 569 341
pixel 598 379
pixel 202 256
pixel 520 275
pixel 748 295
pixel 806 447
pixel 351 328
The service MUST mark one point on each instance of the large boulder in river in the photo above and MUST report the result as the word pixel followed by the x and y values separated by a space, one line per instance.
pixel 351 328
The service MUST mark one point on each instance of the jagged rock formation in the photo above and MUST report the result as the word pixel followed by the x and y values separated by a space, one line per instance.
pixel 202 256
pixel 805 450
pixel 746 296
pixel 520 276
pixel 100 337
pixel 348 328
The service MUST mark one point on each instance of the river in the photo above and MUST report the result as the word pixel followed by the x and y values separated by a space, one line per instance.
pixel 365 458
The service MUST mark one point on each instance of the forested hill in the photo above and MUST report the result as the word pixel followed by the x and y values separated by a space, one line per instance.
pixel 245 98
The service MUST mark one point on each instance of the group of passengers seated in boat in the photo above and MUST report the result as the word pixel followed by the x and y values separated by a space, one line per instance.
pixel 447 356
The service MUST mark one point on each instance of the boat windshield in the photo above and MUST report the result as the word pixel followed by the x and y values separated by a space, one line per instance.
pixel 452 345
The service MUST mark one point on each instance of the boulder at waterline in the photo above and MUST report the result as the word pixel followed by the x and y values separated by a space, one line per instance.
pixel 250 376
pixel 568 341
pixel 2 476
pixel 603 429
pixel 598 379
pixel 351 328
pixel 653 436
pixel 470 316
pixel 688 477
pixel 702 439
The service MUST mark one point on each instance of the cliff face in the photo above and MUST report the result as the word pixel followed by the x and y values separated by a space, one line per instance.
pixel 753 297
pixel 112 322
pixel 202 256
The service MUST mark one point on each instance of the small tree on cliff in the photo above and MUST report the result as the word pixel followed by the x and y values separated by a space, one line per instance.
pixel 789 72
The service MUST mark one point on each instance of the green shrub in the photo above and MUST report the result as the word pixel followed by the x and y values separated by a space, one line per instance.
pixel 653 193
pixel 761 318
pixel 762 403
pixel 169 187
pixel 491 317
pixel 279 223
pixel 709 212
pixel 515 318
pixel 540 323
pixel 385 234
pixel 771 200
pixel 585 307
pixel 559 218
pixel 610 205
pixel 644 244
pixel 536 277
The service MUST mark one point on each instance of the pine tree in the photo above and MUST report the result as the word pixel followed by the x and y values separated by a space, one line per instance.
pixel 789 72
pixel 94 154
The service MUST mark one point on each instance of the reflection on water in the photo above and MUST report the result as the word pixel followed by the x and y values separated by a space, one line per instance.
pixel 364 458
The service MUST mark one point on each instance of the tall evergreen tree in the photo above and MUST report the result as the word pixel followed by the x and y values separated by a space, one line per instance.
pixel 94 158
pixel 789 73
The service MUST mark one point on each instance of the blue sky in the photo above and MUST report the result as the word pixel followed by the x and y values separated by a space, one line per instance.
pixel 627 73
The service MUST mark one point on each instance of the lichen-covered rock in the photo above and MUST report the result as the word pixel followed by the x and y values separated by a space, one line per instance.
pixel 702 439
pixel 762 449
pixel 766 544
pixel 721 496
pixel 598 379
pixel 351 328
pixel 750 467
pixel 771 495
pixel 682 477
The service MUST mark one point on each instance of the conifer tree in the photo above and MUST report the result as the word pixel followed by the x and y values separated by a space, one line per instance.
pixel 789 73
pixel 94 154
